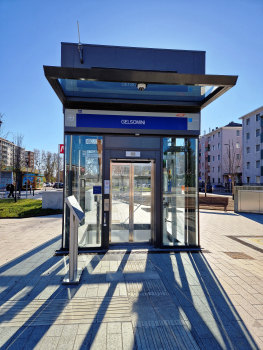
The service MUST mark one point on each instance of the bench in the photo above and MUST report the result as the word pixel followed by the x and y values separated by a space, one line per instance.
pixel 213 201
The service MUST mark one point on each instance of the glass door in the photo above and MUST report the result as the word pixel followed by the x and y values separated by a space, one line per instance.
pixel 142 202
pixel 131 202
pixel 120 203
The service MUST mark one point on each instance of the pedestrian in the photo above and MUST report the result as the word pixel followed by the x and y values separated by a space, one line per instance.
pixel 12 188
pixel 30 187
pixel 7 190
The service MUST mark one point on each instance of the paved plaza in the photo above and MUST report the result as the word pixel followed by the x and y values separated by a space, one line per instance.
pixel 137 300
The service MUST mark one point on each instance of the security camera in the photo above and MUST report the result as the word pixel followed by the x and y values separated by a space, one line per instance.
pixel 141 86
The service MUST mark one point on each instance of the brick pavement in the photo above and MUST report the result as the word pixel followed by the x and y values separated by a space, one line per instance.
pixel 137 300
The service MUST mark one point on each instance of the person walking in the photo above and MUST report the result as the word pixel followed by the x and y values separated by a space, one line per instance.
pixel 11 193
pixel 30 187
pixel 12 188
pixel 7 190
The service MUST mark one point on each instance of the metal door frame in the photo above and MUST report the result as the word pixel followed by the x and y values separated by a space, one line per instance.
pixel 131 163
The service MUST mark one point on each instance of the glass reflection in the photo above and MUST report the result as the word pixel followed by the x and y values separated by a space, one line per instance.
pixel 180 201
pixel 155 92
pixel 83 179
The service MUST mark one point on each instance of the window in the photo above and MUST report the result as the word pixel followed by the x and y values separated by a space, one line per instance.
pixel 248 121
pixel 203 164
pixel 248 180
pixel 213 180
pixel 219 180
pixel 213 147
pixel 238 132
pixel 247 136
pixel 218 134
pixel 209 138
pixel 238 156
pixel 248 165
pixel 257 117
pixel 91 165
pixel 257 148
pixel 257 164
pixel 213 136
pixel 202 144
pixel 218 145
pixel 248 150
pixel 218 157
pixel 238 169
pixel 213 169
pixel 218 169
pixel 257 133
pixel 213 158
pixel 258 179
pixel 237 145
pixel 181 167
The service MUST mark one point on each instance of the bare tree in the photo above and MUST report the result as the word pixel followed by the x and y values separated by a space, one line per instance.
pixel 60 160
pixel 232 163
pixel 37 159
pixel 18 161
pixel 49 163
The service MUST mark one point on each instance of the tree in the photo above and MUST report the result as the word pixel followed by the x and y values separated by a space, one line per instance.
pixel 49 164
pixel 18 160
pixel 232 162
pixel 37 159
pixel 4 136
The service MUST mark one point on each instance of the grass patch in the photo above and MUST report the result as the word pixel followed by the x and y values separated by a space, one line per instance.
pixel 24 208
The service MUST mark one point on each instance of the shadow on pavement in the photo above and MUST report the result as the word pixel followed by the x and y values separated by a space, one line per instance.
pixel 175 302
pixel 255 217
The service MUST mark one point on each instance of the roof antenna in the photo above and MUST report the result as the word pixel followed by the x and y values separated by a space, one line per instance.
pixel 80 47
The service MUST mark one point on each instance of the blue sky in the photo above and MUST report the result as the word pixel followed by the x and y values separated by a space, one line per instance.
pixel 230 31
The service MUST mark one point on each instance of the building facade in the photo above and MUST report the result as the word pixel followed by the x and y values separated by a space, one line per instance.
pixel 29 159
pixel 220 155
pixel 6 152
pixel 252 134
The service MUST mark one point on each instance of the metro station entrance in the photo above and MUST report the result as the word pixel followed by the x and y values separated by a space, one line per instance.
pixel 132 119
pixel 131 202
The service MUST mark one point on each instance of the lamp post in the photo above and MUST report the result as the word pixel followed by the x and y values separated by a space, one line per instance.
pixel 26 177
pixel 228 144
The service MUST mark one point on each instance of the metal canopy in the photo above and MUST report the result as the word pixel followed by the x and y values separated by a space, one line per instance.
pixel 116 88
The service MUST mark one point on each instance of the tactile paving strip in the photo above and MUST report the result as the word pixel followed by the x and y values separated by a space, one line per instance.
pixel 48 312
pixel 164 335
pixel 147 287
pixel 237 255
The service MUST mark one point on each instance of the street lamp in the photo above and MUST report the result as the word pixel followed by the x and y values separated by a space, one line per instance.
pixel 228 144
pixel 26 177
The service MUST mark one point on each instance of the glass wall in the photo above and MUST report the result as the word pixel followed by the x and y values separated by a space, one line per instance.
pixel 83 179
pixel 180 191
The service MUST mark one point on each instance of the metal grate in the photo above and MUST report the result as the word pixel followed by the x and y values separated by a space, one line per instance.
pixel 237 255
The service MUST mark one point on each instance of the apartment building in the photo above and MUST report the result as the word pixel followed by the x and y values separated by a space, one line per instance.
pixel 220 155
pixel 252 134
pixel 6 152
pixel 29 157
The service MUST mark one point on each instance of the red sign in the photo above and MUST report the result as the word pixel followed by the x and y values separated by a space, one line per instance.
pixel 61 148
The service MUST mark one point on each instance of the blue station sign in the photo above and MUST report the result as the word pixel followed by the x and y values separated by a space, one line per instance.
pixel 130 122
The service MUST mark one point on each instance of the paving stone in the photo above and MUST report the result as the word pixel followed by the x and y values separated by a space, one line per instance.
pixel 174 300
pixel 114 327
pixel 52 343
